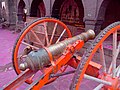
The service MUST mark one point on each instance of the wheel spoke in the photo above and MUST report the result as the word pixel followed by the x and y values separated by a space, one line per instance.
pixel 110 68
pixel 99 87
pixel 118 71
pixel 29 45
pixel 46 33
pixel 53 33
pixel 42 33
pixel 118 49
pixel 102 57
pixel 114 53
pixel 37 38
pixel 97 80
pixel 117 52
pixel 61 36
pixel 27 37
pixel 24 56
pixel 36 43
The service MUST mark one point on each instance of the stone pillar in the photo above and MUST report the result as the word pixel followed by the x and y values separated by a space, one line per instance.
pixel 93 24
pixel 91 13
pixel 48 7
pixel 12 4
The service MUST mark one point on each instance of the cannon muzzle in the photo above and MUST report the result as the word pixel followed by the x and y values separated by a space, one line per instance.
pixel 38 59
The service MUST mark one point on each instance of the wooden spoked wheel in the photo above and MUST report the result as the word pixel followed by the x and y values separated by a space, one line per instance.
pixel 109 74
pixel 40 33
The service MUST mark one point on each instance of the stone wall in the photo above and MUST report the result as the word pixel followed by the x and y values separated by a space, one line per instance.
pixel 94 11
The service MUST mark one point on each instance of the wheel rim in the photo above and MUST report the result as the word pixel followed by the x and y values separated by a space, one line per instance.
pixel 88 56
pixel 48 41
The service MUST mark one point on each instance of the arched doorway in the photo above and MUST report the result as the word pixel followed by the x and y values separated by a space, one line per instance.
pixel 112 13
pixel 37 8
pixel 71 12
pixel 21 13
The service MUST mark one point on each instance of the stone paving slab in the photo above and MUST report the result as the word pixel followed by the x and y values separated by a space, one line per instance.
pixel 7 40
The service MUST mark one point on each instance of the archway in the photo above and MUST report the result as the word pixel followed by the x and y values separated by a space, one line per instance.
pixel 71 12
pixel 37 8
pixel 21 13
pixel 112 13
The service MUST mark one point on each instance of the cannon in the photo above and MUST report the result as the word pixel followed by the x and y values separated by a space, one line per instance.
pixel 45 48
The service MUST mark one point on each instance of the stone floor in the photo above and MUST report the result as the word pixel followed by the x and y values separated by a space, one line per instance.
pixel 7 73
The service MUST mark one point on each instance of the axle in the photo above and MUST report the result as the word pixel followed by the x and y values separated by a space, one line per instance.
pixel 38 59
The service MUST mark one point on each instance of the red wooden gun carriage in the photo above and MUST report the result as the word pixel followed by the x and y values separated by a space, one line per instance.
pixel 45 48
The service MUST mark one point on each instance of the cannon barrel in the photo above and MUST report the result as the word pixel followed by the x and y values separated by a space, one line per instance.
pixel 38 59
